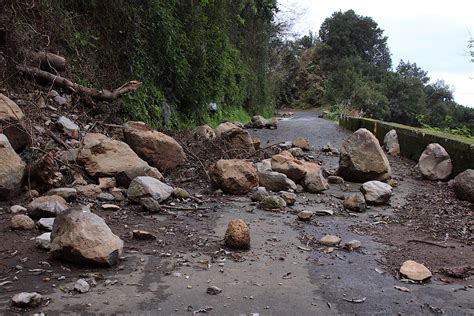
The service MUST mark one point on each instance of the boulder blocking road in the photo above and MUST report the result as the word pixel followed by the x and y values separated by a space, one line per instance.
pixel 287 271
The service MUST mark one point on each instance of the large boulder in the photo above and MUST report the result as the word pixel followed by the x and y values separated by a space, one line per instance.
pixel 435 163
pixel 224 127
pixel 46 206
pixel 12 124
pixel 362 159
pixel 314 182
pixel 159 150
pixel 258 121
pixel 376 192
pixel 234 176
pixel 239 138
pixel 390 142
pixel 148 187
pixel 464 185
pixel 12 169
pixel 105 157
pixel 83 238
pixel 275 181
pixel 285 163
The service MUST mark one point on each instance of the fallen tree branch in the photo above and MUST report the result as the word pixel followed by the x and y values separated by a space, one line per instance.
pixel 58 140
pixel 48 61
pixel 103 95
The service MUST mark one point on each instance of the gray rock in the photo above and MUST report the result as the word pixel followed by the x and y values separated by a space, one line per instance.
pixel 271 203
pixel 285 145
pixel 330 240
pixel 435 163
pixel 329 148
pixel 376 192
pixel 352 245
pixel 464 185
pixel 148 187
pixel 142 235
pixel 46 223
pixel 11 170
pixel 314 182
pixel 275 181
pixel 296 152
pixel 213 290
pixel 66 193
pixel 335 180
pixel 289 197
pixel 68 127
pixel 391 144
pixel 22 222
pixel 15 209
pixel 84 238
pixel 355 202
pixel 259 194
pixel 25 299
pixel 180 193
pixel 81 286
pixel 305 216
pixel 104 196
pixel 46 206
pixel 264 165
pixel 362 159
pixel 43 241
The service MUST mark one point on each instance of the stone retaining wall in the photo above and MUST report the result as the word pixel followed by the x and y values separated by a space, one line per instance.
pixel 413 141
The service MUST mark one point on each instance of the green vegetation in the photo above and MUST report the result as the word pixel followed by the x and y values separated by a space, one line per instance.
pixel 348 69
pixel 186 53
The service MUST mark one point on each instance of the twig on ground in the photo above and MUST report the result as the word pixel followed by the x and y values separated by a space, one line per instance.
pixel 427 242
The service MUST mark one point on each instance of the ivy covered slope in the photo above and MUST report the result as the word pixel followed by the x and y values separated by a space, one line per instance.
pixel 186 53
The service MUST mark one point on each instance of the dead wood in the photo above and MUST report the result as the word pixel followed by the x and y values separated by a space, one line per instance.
pixel 102 95
pixel 47 61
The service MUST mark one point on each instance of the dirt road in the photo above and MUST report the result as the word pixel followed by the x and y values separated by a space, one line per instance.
pixel 286 272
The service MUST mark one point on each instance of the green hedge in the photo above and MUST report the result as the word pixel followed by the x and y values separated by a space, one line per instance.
pixel 413 141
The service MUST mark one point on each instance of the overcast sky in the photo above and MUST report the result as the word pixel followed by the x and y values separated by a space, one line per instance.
pixel 434 34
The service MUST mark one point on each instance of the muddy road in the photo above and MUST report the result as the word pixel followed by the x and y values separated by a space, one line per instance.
pixel 286 271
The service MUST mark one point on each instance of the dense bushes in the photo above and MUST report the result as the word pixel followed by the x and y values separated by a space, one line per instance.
pixel 187 53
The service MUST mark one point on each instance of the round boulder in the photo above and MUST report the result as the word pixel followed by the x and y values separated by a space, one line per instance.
pixel 376 192
pixel 22 222
pixel 464 185
pixel 435 163
pixel 237 235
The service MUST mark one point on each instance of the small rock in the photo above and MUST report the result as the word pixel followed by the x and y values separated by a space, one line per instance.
pixel 305 216
pixel 66 193
pixel 180 193
pixel 143 235
pixel 148 187
pixel 104 196
pixel 335 180
pixel 289 197
pixel 353 245
pixel 15 209
pixel 110 207
pixel 314 182
pixel 204 132
pixel 81 286
pixel 391 144
pixel 329 148
pixel 302 143
pixel 330 240
pixel 285 145
pixel 259 194
pixel 275 181
pixel 89 190
pixel 376 192
pixel 22 222
pixel 68 127
pixel 296 152
pixel 47 206
pixel 107 183
pixel 46 223
pixel 264 165
pixel 43 241
pixel 271 203
pixel 213 290
pixel 237 235
pixel 355 202
pixel 415 271
pixel 25 299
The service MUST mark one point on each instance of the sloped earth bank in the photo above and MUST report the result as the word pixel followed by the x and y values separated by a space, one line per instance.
pixel 286 272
